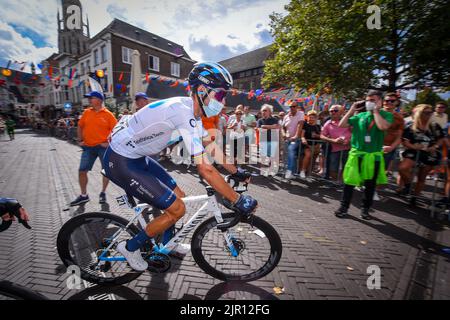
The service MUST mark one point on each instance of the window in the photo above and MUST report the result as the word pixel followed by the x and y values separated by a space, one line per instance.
pixel 126 55
pixel 175 69
pixel 96 60
pixel 82 71
pixel 248 73
pixel 104 54
pixel 104 81
pixel 242 75
pixel 255 72
pixel 153 63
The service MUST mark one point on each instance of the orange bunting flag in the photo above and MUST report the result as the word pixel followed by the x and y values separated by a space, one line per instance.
pixel 175 84
pixel 147 77
pixel 121 77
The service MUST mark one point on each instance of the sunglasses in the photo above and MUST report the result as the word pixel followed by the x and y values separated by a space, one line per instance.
pixel 334 111
pixel 219 94
pixel 390 101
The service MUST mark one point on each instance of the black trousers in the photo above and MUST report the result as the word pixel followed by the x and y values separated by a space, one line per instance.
pixel 369 191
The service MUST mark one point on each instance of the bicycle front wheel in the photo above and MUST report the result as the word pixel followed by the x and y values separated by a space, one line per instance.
pixel 84 238
pixel 257 243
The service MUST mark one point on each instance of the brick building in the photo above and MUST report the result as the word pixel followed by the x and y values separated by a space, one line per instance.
pixel 247 69
pixel 110 50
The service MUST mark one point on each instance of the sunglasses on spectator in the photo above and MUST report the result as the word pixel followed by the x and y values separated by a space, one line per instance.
pixel 391 101
pixel 334 110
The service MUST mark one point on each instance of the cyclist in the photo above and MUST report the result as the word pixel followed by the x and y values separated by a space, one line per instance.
pixel 151 130
pixel 10 209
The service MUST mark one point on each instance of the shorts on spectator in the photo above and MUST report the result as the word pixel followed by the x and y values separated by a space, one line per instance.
pixel 388 157
pixel 338 158
pixel 425 158
pixel 89 155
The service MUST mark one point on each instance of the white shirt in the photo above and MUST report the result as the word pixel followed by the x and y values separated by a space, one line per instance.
pixel 156 126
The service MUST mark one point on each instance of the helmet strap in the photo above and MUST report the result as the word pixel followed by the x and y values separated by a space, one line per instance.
pixel 200 101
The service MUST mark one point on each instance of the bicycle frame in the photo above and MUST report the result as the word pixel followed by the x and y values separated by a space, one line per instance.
pixel 210 206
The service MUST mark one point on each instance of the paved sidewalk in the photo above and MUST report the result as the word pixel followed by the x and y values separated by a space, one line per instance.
pixel 323 257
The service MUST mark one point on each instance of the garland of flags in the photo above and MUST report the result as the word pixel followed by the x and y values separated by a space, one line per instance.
pixel 307 97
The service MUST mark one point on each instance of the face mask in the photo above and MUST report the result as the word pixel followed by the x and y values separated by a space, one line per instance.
pixel 370 106
pixel 213 108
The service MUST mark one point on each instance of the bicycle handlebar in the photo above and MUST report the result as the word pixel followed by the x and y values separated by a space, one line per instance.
pixel 12 208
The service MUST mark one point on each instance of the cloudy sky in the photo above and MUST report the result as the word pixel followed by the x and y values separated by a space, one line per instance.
pixel 209 30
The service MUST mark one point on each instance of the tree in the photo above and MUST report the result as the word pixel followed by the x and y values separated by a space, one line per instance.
pixel 321 44
pixel 427 96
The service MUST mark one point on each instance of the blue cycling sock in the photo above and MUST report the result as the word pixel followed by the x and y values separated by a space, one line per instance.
pixel 137 242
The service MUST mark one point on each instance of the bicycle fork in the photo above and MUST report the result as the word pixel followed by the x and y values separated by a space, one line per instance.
pixel 229 241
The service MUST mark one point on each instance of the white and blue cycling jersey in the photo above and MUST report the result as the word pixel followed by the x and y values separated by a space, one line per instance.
pixel 157 126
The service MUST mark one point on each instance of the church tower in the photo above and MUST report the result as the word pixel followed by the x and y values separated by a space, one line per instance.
pixel 73 33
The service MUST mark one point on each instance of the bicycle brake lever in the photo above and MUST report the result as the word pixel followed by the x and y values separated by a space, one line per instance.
pixel 5 225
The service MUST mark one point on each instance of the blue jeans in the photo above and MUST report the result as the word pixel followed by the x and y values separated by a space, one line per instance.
pixel 292 150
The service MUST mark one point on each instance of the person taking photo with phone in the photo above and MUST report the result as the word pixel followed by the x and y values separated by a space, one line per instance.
pixel 365 164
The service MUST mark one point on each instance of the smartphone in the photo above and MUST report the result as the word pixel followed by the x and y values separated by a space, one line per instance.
pixel 361 106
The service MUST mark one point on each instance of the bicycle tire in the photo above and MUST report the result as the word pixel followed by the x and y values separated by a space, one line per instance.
pixel 62 244
pixel 17 292
pixel 265 227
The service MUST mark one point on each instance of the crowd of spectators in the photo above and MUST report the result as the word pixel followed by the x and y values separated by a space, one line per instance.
pixel 301 145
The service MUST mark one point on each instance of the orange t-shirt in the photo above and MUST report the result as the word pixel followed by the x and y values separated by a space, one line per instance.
pixel 210 123
pixel 96 126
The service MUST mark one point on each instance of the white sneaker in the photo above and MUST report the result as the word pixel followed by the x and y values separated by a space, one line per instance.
pixel 376 197
pixel 302 175
pixel 134 259
pixel 180 250
pixel 288 175
pixel 177 160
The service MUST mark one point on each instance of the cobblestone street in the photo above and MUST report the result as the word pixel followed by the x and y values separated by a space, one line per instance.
pixel 323 257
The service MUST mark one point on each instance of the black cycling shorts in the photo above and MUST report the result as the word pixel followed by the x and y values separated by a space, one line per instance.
pixel 143 178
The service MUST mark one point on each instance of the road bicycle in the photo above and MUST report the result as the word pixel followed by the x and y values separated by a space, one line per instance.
pixel 227 246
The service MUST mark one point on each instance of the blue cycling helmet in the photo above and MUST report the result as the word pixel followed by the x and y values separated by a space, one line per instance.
pixel 211 75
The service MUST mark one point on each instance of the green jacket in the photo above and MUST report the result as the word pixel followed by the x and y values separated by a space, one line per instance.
pixel 10 124
pixel 354 177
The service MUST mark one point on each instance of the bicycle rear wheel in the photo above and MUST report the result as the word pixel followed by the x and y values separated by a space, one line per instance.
pixel 83 238
pixel 258 244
